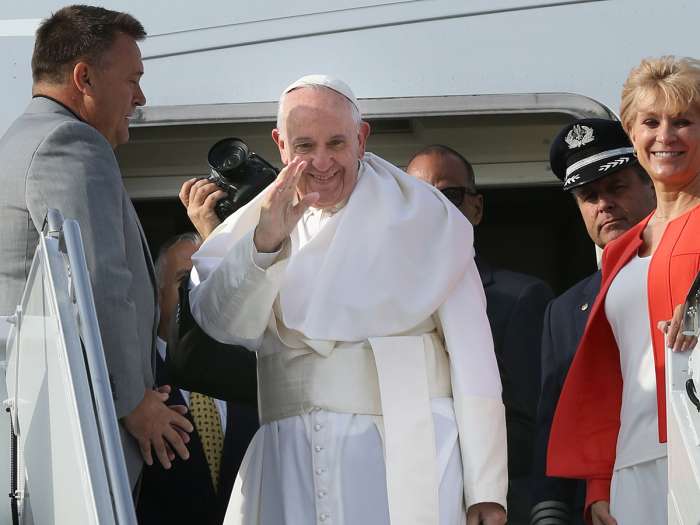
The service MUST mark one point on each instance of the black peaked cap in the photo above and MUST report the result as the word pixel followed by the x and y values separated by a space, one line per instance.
pixel 588 149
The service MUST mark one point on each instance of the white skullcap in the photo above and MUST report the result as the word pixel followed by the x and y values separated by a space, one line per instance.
pixel 333 83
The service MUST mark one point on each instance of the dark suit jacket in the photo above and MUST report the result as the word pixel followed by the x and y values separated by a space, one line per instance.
pixel 185 493
pixel 515 305
pixel 564 322
pixel 199 363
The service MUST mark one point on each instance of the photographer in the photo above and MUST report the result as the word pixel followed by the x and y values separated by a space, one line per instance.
pixel 237 175
pixel 200 196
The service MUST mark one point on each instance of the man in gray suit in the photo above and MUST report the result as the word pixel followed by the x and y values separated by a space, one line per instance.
pixel 59 154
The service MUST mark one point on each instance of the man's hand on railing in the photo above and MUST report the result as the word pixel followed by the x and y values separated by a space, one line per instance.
pixel 159 427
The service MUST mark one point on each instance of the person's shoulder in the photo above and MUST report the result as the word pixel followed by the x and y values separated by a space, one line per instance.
pixel 34 125
pixel 519 283
pixel 586 288
pixel 72 130
pixel 66 150
pixel 72 142
pixel 517 277
pixel 49 121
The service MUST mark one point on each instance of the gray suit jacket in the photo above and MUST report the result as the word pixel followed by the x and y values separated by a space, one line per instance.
pixel 51 159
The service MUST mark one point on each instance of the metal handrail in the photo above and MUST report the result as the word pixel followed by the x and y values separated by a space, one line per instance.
pixel 683 418
pixel 97 365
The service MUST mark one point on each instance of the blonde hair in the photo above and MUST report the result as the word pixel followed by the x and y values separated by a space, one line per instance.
pixel 670 80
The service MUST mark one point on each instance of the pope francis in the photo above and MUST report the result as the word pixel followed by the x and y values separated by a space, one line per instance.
pixel 379 394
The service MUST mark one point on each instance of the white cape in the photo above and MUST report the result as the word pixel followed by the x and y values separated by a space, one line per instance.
pixel 364 274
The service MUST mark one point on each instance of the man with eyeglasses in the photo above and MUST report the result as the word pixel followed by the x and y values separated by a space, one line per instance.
pixel 515 308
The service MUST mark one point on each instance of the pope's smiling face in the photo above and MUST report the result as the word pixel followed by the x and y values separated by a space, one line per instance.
pixel 318 126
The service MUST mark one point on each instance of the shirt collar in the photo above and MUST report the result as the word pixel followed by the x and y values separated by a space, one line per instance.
pixel 161 346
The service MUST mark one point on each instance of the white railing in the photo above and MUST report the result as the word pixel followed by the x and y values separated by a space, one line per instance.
pixel 683 415
pixel 70 465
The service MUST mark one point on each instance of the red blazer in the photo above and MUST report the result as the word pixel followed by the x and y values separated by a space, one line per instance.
pixel 587 420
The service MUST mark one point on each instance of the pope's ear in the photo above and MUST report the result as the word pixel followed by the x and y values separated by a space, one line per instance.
pixel 362 135
pixel 81 78
pixel 281 145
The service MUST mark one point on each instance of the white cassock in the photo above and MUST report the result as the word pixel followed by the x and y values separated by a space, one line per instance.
pixel 368 323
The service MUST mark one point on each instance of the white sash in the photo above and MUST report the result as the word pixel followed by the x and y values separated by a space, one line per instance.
pixel 392 377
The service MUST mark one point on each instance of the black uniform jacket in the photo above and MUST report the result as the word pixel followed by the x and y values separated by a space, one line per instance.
pixel 515 304
pixel 565 319
pixel 199 363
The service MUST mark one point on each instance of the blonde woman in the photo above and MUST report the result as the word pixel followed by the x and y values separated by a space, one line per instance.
pixel 610 424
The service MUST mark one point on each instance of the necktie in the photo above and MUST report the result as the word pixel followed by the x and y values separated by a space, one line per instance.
pixel 206 420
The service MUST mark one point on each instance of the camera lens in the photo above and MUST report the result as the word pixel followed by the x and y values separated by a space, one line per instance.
pixel 227 155
pixel 239 172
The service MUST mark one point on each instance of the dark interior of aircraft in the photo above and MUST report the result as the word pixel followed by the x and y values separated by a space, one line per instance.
pixel 534 230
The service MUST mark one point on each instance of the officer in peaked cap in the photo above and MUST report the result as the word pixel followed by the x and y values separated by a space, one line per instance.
pixel 589 149
pixel 595 161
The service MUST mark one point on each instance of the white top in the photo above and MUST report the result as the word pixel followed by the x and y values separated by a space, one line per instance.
pixel 627 310
pixel 328 467
pixel 161 346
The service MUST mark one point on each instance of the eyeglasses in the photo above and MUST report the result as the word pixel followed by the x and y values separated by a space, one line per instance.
pixel 455 194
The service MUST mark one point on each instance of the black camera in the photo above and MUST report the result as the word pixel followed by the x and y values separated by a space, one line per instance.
pixel 239 172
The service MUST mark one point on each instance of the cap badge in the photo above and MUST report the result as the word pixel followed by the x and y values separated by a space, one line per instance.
pixel 579 136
